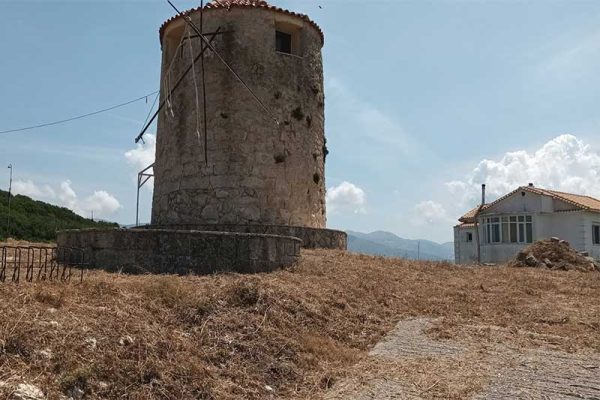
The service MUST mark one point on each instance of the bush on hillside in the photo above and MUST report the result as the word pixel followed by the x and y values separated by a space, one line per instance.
pixel 34 220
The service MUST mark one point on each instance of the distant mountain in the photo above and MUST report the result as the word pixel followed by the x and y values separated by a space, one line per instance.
pixel 38 221
pixel 387 244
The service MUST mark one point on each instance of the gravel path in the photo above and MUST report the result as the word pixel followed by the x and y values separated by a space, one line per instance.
pixel 409 364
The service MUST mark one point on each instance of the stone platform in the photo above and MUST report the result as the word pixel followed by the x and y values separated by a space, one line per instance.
pixel 182 251
pixel 312 238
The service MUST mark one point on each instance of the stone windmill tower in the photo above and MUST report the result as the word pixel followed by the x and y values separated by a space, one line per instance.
pixel 240 153
pixel 253 167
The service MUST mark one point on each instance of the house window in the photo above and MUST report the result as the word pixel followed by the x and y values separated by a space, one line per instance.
pixel 596 234
pixel 283 42
pixel 509 229
pixel 493 230
pixel 469 236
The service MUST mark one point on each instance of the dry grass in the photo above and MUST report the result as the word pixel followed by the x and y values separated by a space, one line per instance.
pixel 18 242
pixel 288 334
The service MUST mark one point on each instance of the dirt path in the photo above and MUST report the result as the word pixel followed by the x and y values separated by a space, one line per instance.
pixel 410 363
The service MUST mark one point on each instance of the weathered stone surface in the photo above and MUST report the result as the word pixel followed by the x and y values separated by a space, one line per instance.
pixel 182 252
pixel 258 171
pixel 311 237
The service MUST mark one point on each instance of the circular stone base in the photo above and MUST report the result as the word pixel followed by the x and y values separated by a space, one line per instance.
pixel 312 238
pixel 181 251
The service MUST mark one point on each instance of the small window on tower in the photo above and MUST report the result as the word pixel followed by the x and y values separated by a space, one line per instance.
pixel 288 37
pixel 283 42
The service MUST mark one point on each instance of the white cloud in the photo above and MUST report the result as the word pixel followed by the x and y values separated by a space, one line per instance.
pixel 564 163
pixel 142 156
pixel 428 212
pixel 28 188
pixel 67 196
pixel 346 197
pixel 102 203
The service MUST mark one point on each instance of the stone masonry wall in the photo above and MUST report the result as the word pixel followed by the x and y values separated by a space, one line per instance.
pixel 181 252
pixel 257 172
pixel 312 238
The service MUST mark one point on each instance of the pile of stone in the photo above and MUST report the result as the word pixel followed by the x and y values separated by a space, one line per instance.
pixel 555 254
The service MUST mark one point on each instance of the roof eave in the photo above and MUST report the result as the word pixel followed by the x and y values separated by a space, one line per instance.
pixel 211 6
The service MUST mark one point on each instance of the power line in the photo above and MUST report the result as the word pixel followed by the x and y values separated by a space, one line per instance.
pixel 62 121
pixel 151 108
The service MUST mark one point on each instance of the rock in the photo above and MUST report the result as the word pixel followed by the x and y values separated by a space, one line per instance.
pixel 531 260
pixel 554 239
pixel 26 391
pixel 46 353
pixel 126 340
pixel 521 256
pixel 54 324
pixel 221 194
pixel 548 263
pixel 52 310
pixel 269 388
pixel 92 343
pixel 210 212
pixel 76 393
pixel 584 253
pixel 564 242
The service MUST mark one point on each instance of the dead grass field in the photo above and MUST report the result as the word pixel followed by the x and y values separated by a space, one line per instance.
pixel 288 334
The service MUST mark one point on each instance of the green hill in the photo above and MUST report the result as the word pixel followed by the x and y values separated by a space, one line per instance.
pixel 38 221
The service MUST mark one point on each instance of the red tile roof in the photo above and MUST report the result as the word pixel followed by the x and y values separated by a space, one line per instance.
pixel 586 202
pixel 229 4
pixel 580 201
pixel 470 215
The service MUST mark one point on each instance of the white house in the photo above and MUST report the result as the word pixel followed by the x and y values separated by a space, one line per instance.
pixel 523 216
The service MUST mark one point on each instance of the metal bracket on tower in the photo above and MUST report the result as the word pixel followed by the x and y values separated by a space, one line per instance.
pixel 143 177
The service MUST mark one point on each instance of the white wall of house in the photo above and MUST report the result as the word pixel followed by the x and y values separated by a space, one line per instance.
pixel 591 219
pixel 572 226
pixel 465 250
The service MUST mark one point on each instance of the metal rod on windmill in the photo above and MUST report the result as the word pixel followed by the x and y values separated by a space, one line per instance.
pixel 203 88
pixel 212 35
pixel 143 177
pixel 191 24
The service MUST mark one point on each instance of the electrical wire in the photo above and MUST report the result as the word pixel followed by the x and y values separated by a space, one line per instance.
pixel 62 121
pixel 150 110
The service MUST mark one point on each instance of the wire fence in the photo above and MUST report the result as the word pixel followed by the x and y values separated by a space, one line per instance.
pixel 37 263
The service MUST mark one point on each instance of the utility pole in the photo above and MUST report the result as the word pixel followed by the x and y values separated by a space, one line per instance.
pixel 9 194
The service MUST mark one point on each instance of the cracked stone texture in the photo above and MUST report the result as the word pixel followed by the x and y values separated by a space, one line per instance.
pixel 257 171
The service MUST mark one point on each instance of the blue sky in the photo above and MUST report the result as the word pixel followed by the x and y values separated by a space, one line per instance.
pixel 424 102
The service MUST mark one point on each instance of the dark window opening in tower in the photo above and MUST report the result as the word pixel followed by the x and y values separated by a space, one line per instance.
pixel 283 42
